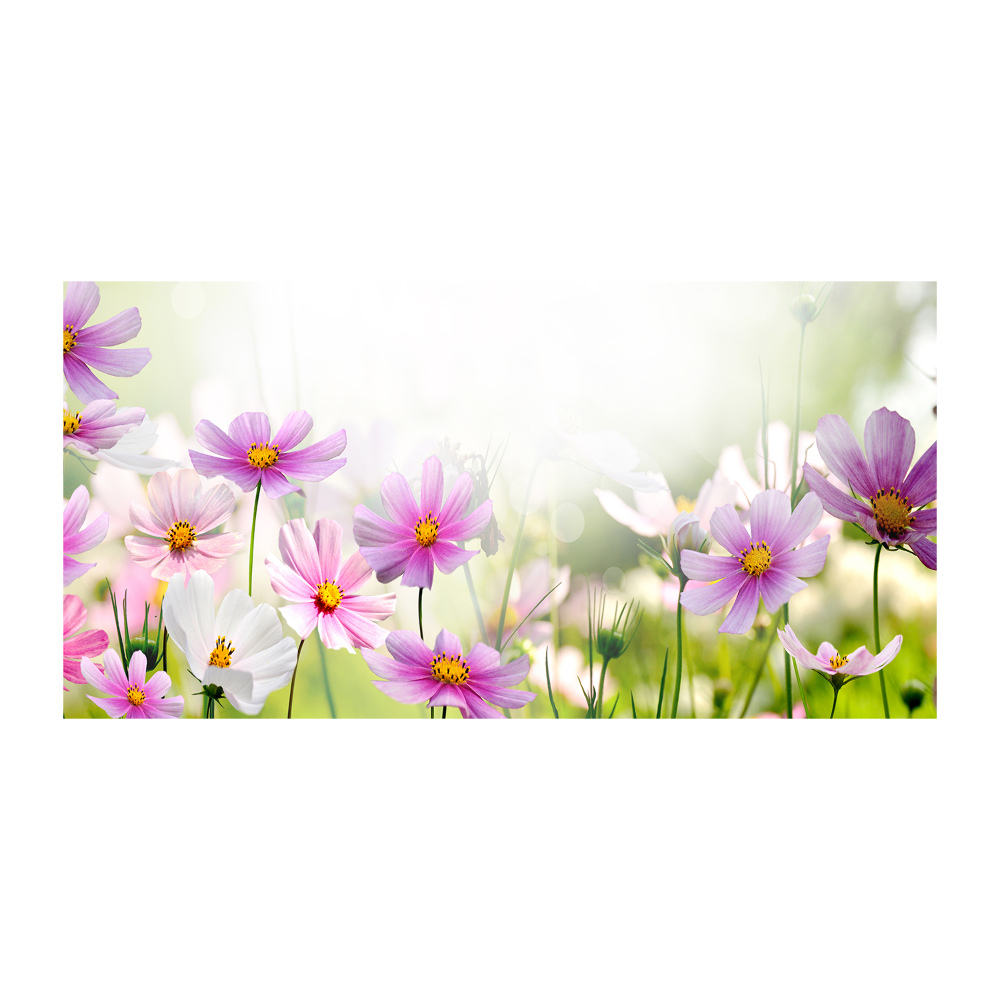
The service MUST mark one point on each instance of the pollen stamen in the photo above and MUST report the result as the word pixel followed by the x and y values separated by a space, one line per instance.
pixel 181 536
pixel 69 339
pixel 837 661
pixel 71 422
pixel 449 669
pixel 222 655
pixel 756 559
pixel 262 455
pixel 328 597
pixel 135 695
pixel 427 530
pixel 892 512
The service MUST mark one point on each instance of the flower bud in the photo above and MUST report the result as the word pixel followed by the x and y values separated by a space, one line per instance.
pixel 688 532
pixel 913 693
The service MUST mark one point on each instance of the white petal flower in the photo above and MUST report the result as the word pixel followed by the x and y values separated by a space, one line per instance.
pixel 129 452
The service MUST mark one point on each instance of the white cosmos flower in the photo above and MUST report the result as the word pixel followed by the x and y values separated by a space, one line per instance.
pixel 130 451
pixel 241 648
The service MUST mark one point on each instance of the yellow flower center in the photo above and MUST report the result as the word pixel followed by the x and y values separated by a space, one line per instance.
pixel 135 696
pixel 837 661
pixel 69 339
pixel 181 536
pixel 756 559
pixel 262 455
pixel 71 422
pixel 222 655
pixel 427 530
pixel 683 505
pixel 328 597
pixel 449 669
pixel 892 511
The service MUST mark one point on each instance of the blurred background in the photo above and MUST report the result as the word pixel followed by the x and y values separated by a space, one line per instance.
pixel 568 387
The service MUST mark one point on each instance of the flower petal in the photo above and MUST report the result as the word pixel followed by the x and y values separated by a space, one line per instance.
pixel 744 609
pixel 84 383
pixel 777 586
pixel 458 499
pixel 431 485
pixel 769 515
pixel 800 524
pixel 468 527
pixel 419 571
pixel 920 486
pixel 728 531
pixel 834 501
pixel 807 561
pixel 889 444
pixel 81 302
pixel 448 556
pixel 298 550
pixel 706 600
pixel 397 498
pixel 704 566
pixel 117 330
pixel 841 454
pixel 294 428
pixel 329 536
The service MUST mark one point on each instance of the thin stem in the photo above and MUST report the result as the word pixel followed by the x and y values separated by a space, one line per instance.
pixel 798 415
pixel 295 673
pixel 165 637
pixel 205 707
pixel 802 691
pixel 663 681
pixel 420 611
pixel 513 557
pixel 253 530
pixel 836 691
pixel 444 711
pixel 878 641
pixel 680 658
pixel 788 671
pixel 326 679
pixel 600 689
pixel 760 672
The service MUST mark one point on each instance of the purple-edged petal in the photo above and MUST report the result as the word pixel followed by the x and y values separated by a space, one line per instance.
pixel 390 669
pixel 807 561
pixel 769 515
pixel 706 567
pixel 298 550
pixel 408 692
pixel 407 647
pixel 217 440
pixel 157 685
pixel 353 573
pixel 329 536
pixel 777 586
pixel 841 454
pixel 706 600
pixel 74 614
pixel 925 521
pixel 800 524
pixel 370 529
pixel 249 429
pixel 468 527
pixel 390 561
pixel 120 328
pixel 431 485
pixel 419 571
pixel 926 552
pixel 887 655
pixel 86 538
pixel 316 455
pixel 728 531
pixel 332 632
pixel 458 499
pixel 216 506
pixel 75 511
pixel 73 569
pixel 834 501
pixel 362 632
pixel 81 302
pixel 146 551
pixel 121 361
pixel 239 470
pixel 448 556
pixel 920 486
pixel 447 643
pixel 275 484
pixel 286 582
pixel 397 498
pixel 794 648
pixel 450 696
pixel 377 606
pixel 889 444
pixel 502 696
pixel 115 707
pixel 137 670
pixel 95 677
pixel 84 383
pixel 294 428
pixel 744 609
pixel 479 709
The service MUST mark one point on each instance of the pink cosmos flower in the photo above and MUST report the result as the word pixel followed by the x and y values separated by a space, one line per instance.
pixel 87 347
pixel 93 642
pixel 417 539
pixel 324 589
pixel 884 497
pixel 765 567
pixel 829 662
pixel 447 677
pixel 249 455
pixel 99 425
pixel 132 696
pixel 798 712
pixel 178 518
pixel 76 538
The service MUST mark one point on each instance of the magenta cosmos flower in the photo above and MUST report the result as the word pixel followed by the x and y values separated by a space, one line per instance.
pixel 87 347
pixel 77 538
pixel 133 697
pixel 416 539
pixel 178 518
pixel 99 425
pixel 248 455
pixel 323 589
pixel 445 676
pixel 886 500
pixel 91 643
pixel 830 663
pixel 763 564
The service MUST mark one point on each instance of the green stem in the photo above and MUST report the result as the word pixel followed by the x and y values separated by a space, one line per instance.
pixel 253 530
pixel 760 672
pixel 420 611
pixel 836 691
pixel 444 711
pixel 788 670
pixel 802 690
pixel 878 641
pixel 326 679
pixel 295 673
pixel 798 415
pixel 600 688
pixel 680 657
pixel 165 650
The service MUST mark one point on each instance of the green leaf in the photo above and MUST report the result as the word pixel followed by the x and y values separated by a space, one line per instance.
pixel 632 696
pixel 663 681
pixel 548 684
pixel 615 705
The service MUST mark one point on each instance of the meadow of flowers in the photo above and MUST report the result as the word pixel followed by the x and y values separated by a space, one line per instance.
pixel 349 552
